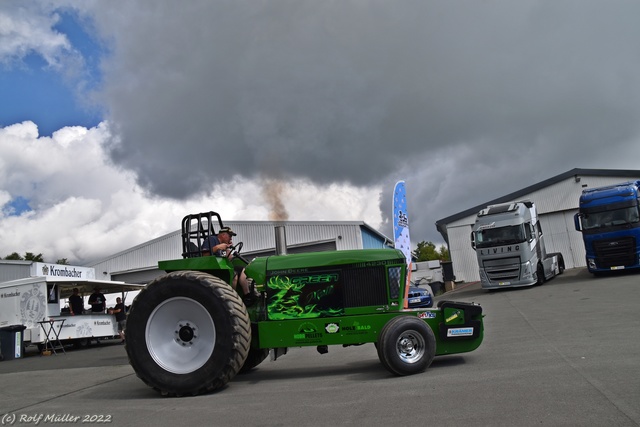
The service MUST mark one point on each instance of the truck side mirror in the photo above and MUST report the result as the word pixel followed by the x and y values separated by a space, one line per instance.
pixel 576 222
pixel 473 240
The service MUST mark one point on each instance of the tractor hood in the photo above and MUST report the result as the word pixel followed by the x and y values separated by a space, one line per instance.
pixel 260 268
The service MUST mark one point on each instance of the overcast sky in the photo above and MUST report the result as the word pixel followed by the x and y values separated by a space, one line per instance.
pixel 117 119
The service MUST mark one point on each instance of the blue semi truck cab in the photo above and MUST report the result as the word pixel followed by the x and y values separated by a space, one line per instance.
pixel 609 219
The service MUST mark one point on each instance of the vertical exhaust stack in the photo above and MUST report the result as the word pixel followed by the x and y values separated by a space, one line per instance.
pixel 281 240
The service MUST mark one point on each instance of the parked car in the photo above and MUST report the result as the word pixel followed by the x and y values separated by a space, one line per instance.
pixel 420 297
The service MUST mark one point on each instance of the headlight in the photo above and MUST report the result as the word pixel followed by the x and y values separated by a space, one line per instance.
pixel 592 263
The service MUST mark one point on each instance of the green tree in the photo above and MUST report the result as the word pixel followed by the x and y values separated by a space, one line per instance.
pixel 427 251
pixel 62 261
pixel 30 256
pixel 444 253
pixel 14 257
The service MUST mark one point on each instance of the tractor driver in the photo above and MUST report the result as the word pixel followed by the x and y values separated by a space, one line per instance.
pixel 219 246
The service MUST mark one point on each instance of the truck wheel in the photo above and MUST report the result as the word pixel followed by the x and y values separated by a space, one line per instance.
pixel 187 333
pixel 255 357
pixel 540 274
pixel 406 345
pixel 560 264
pixel 81 343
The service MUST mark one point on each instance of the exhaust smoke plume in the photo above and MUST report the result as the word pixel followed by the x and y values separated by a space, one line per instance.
pixel 273 191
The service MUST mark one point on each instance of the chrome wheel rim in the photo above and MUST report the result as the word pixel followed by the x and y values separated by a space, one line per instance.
pixel 410 346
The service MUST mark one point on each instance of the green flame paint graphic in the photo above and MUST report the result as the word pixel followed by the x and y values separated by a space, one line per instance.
pixel 287 302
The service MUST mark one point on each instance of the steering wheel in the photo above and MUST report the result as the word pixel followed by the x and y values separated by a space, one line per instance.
pixel 236 251
pixel 237 247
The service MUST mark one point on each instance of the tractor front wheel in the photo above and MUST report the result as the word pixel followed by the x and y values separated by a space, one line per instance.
pixel 406 345
pixel 187 333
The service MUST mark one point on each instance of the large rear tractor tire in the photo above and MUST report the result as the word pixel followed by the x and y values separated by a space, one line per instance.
pixel 406 345
pixel 188 333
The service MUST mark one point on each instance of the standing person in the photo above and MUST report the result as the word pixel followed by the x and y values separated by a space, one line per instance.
pixel 121 316
pixel 97 301
pixel 219 246
pixel 76 304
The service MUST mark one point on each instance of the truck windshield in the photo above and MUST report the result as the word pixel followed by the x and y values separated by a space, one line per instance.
pixel 500 236
pixel 611 218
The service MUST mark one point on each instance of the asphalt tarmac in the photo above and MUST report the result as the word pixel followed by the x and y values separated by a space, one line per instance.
pixel 566 353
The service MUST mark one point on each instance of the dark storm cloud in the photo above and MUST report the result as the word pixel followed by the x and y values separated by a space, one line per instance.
pixel 464 100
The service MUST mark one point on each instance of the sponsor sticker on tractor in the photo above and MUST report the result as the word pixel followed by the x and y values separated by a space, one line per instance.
pixel 460 332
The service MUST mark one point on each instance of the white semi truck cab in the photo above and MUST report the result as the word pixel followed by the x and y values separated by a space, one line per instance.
pixel 509 244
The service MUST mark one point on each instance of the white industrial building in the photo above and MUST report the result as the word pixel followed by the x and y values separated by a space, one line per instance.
pixel 139 264
pixel 557 202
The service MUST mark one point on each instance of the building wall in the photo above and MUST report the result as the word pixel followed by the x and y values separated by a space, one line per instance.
pixel 463 257
pixel 372 240
pixel 556 204
pixel 13 270
pixel 139 264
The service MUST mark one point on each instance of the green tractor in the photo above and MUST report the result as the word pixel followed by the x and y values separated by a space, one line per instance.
pixel 189 332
